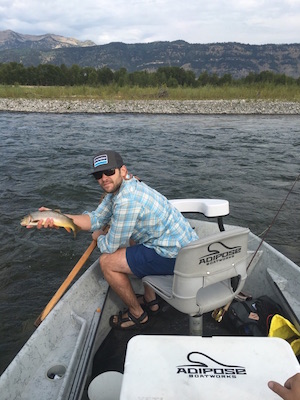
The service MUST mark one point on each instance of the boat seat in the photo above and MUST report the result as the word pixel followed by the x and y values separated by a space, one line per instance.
pixel 218 208
pixel 208 273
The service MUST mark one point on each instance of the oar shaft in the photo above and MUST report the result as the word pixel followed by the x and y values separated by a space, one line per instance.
pixel 66 283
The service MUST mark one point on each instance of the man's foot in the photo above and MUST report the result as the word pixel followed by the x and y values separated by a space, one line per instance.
pixel 151 306
pixel 128 321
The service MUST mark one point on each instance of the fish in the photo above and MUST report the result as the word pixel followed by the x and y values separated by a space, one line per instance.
pixel 59 219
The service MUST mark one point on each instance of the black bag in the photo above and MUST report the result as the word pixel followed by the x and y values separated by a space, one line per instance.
pixel 252 317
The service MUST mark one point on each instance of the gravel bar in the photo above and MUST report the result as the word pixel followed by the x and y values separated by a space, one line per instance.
pixel 151 106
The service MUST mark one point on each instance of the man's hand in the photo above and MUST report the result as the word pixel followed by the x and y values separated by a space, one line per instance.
pixel 48 222
pixel 290 390
pixel 98 233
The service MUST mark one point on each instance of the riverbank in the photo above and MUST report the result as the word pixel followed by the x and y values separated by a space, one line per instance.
pixel 151 106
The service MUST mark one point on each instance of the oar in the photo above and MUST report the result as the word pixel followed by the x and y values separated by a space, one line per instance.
pixel 66 283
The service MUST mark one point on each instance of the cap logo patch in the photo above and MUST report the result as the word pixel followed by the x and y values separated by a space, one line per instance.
pixel 100 160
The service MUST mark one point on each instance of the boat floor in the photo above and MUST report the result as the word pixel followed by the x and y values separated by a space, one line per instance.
pixel 169 321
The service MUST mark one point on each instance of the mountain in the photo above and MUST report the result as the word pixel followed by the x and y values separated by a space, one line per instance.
pixel 236 59
pixel 11 40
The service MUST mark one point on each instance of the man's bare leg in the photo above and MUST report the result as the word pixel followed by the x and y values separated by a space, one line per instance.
pixel 149 296
pixel 116 270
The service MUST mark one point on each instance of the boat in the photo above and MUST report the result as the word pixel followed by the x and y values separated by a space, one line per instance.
pixel 75 344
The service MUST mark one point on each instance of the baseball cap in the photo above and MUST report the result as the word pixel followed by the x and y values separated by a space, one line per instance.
pixel 107 159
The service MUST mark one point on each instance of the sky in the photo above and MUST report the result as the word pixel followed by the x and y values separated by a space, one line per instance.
pixel 144 21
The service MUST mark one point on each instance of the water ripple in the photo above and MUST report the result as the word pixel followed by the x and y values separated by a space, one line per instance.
pixel 46 160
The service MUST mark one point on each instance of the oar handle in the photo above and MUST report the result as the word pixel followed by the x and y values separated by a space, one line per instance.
pixel 66 283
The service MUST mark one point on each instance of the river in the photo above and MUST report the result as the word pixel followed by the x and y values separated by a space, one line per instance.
pixel 252 161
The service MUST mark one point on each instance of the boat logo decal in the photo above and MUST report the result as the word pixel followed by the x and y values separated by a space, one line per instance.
pixel 203 366
pixel 100 160
pixel 218 252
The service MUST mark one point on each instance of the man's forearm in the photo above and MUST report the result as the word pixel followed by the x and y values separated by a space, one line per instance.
pixel 81 220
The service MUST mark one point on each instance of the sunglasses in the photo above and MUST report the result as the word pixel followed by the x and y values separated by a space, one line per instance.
pixel 108 172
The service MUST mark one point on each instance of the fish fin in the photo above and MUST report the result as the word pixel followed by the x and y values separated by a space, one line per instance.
pixel 67 229
pixel 57 210
pixel 76 230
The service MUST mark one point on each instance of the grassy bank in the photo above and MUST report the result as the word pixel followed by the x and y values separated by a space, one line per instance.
pixel 252 92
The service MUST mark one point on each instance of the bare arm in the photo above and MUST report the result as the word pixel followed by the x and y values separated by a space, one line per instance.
pixel 81 220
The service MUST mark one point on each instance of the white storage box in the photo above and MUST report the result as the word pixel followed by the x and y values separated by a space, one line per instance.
pixel 195 368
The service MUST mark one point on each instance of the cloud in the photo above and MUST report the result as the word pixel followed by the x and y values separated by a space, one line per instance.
pixel 136 21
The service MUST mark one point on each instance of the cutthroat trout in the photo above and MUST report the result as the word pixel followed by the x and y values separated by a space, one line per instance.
pixel 59 219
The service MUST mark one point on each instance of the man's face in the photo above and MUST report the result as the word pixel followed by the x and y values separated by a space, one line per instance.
pixel 112 183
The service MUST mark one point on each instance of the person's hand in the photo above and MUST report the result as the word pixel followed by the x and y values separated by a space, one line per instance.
pixel 98 233
pixel 290 390
pixel 49 223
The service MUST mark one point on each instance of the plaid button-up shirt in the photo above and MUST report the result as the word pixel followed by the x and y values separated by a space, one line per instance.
pixel 140 213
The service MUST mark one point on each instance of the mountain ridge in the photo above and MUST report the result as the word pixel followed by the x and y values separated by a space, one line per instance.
pixel 233 58
pixel 13 40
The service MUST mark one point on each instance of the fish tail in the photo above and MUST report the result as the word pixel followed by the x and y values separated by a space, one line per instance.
pixel 76 229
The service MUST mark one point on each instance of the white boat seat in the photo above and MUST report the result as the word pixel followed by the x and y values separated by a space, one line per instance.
pixel 208 272
pixel 203 271
pixel 209 207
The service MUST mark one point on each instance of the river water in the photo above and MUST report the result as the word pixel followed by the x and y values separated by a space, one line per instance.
pixel 252 161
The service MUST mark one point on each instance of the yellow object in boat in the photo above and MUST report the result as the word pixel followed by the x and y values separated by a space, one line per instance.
pixel 283 328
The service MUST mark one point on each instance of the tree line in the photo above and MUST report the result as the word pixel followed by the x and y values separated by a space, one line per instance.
pixel 51 75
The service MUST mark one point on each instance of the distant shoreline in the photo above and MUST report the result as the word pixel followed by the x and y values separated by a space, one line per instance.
pixel 260 107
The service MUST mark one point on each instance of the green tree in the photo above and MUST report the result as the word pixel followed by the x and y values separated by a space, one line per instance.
pixel 84 75
pixel 49 75
pixel 226 79
pixel 203 78
pixel 266 76
pixel 75 75
pixel 172 82
pixel 214 79
pixel 250 78
pixel 105 76
pixel 92 78
pixel 65 75
pixel 170 74
pixel 139 78
pixel 13 73
pixel 120 77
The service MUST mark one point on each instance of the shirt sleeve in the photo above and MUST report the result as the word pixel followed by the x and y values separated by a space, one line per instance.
pixel 122 224
pixel 102 215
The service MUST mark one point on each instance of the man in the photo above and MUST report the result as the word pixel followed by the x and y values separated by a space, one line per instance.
pixel 139 215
